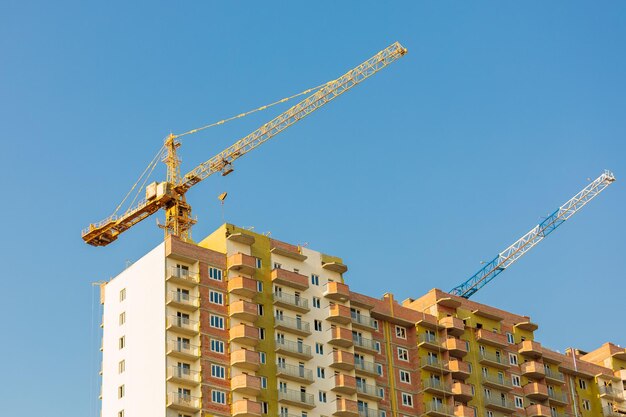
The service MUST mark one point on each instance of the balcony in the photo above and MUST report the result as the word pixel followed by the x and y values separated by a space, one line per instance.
pixel 244 334
pixel 368 391
pixel 296 398
pixel 183 325
pixel 456 347
pixel 537 410
pixel 434 409
pixel 363 322
pixel 430 363
pixel 337 291
pixel 339 314
pixel 464 411
pixel 462 392
pixel 611 393
pixel 182 402
pixel 495 360
pixel 365 368
pixel 342 360
pixel 295 349
pixel 340 336
pixel 292 302
pixel 246 408
pixel 181 276
pixel 243 310
pixel 369 412
pixel 491 338
pixel 182 301
pixel 536 391
pixel 289 279
pixel 435 386
pixel 346 408
pixel 613 411
pixel 453 325
pixel 554 377
pixel 429 341
pixel 363 344
pixel 533 369
pixel 242 286
pixel 245 384
pixel 294 373
pixel 184 376
pixel 557 398
pixel 245 359
pixel 241 262
pixel 344 384
pixel 530 349
pixel 500 403
pixel 182 350
pixel 459 369
pixel 295 326
pixel 499 382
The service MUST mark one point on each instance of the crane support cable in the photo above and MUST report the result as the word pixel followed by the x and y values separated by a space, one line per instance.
pixel 534 236
pixel 265 107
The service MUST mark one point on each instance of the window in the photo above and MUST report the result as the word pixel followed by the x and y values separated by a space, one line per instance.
pixel 262 333
pixel 319 348
pixel 582 384
pixel 321 372
pixel 218 397
pixel 260 309
pixel 217 321
pixel 519 402
pixel 218 371
pixel 217 346
pixel 317 324
pixel 215 273
pixel 405 377
pixel 122 318
pixel 262 357
pixel 509 338
pixel 322 396
pixel 259 286
pixel 407 400
pixel 379 369
pixel 377 346
pixel 315 279
pixel 586 405
pixel 515 379
pixel 264 382
pixel 403 354
pixel 400 332
pixel 317 302
pixel 120 391
pixel 375 323
pixel 216 297
pixel 381 392
pixel 122 342
pixel 277 265
pixel 258 262
pixel 265 407
pixel 121 366
pixel 122 298
pixel 512 358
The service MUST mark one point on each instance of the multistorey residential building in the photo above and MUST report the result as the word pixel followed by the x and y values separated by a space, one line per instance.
pixel 243 325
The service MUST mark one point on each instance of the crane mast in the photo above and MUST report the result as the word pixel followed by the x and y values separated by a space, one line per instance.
pixel 533 237
pixel 170 194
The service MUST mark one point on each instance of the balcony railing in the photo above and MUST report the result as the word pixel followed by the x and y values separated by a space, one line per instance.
pixel 367 389
pixel 502 382
pixel 432 384
pixel 293 347
pixel 361 342
pixel 369 412
pixel 559 397
pixel 434 408
pixel 183 401
pixel 183 324
pixel 291 300
pixel 182 275
pixel 183 299
pixel 494 360
pixel 613 411
pixel 365 366
pixel 183 374
pixel 181 348
pixel 297 397
pixel 554 375
pixel 429 340
pixel 289 323
pixel 362 320
pixel 611 392
pixel 294 371
pixel 431 362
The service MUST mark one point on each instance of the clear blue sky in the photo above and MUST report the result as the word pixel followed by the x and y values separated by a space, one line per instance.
pixel 498 114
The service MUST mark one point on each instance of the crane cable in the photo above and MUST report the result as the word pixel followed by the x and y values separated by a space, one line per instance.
pixel 267 106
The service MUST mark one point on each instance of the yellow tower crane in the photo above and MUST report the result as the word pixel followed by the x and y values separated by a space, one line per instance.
pixel 170 194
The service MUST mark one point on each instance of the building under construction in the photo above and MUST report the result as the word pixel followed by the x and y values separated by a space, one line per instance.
pixel 244 325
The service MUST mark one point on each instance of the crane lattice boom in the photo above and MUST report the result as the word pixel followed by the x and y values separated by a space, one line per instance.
pixel 170 194
pixel 534 236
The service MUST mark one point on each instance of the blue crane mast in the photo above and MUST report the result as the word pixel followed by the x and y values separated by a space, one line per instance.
pixel 511 254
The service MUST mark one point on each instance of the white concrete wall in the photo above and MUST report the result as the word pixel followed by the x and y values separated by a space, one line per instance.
pixel 144 353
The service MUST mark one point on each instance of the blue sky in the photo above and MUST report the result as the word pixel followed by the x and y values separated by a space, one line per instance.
pixel 498 114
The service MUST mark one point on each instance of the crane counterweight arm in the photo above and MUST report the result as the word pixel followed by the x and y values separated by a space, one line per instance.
pixel 534 236
pixel 299 111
